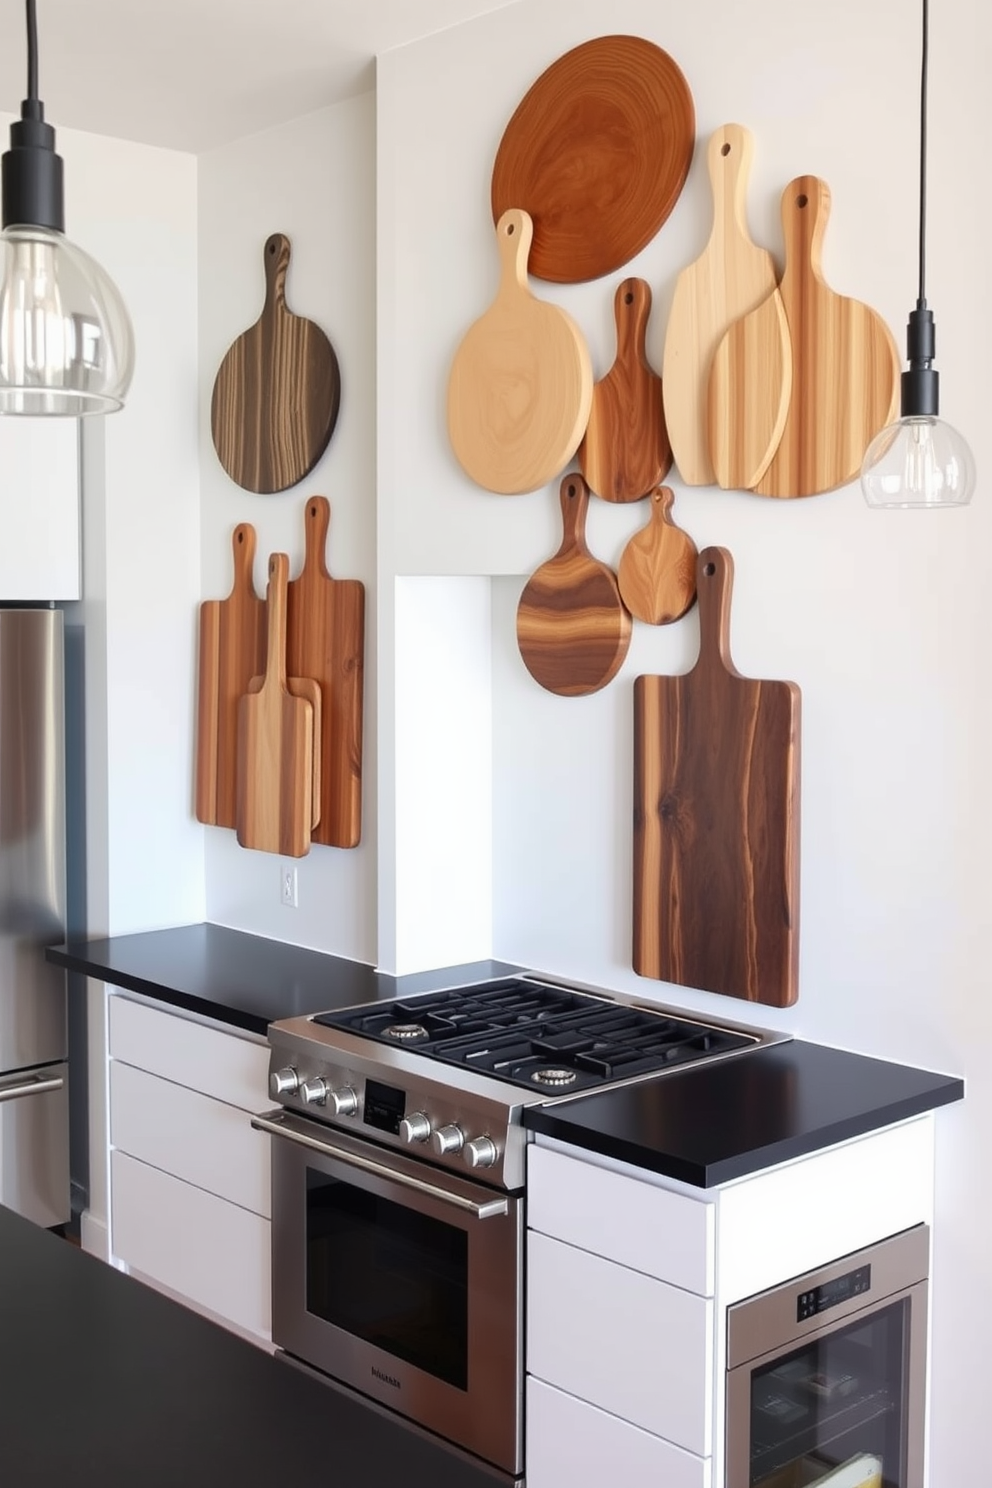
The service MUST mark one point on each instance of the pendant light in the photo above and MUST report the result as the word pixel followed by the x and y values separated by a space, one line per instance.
pixel 66 343
pixel 921 461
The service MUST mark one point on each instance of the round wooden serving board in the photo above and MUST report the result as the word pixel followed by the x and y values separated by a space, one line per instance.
pixel 521 382
pixel 277 391
pixel 572 628
pixel 657 573
pixel 597 152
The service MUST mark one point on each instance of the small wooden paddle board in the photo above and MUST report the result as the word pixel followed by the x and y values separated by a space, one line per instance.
pixel 572 628
pixel 716 818
pixel 731 276
pixel 520 386
pixel 845 363
pixel 625 452
pixel 657 572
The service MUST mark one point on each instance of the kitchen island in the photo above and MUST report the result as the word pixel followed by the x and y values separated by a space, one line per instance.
pixel 108 1384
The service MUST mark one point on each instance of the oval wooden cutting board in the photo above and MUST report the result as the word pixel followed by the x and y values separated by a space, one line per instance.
pixel 731 276
pixel 625 452
pixel 520 386
pixel 597 152
pixel 657 572
pixel 277 391
pixel 749 392
pixel 572 629
pixel 845 363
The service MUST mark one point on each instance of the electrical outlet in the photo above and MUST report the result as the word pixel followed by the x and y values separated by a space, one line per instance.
pixel 288 885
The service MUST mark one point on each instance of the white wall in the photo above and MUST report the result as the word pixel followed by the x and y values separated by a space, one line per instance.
pixel 879 617
pixel 313 179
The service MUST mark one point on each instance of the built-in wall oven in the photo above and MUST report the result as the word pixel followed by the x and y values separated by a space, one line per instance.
pixel 826 1381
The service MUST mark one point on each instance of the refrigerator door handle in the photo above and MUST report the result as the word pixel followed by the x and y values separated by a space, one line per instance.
pixel 40 1085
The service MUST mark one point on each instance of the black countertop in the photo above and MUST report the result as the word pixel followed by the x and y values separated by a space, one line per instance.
pixel 721 1121
pixel 246 980
pixel 105 1382
pixel 703 1126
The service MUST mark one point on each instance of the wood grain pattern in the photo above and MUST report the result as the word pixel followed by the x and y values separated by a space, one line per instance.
pixel 625 451
pixel 657 572
pixel 845 363
pixel 231 652
pixel 597 152
pixel 716 818
pixel 731 276
pixel 748 398
pixel 572 629
pixel 520 386
pixel 275 744
pixel 277 391
pixel 326 641
pixel 306 687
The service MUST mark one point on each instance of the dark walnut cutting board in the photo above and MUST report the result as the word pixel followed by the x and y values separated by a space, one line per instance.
pixel 277 391
pixel 716 818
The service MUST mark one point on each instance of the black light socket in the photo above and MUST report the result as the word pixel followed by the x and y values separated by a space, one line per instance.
pixel 921 383
pixel 32 190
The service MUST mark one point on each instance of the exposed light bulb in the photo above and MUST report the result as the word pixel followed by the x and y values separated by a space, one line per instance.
pixel 921 461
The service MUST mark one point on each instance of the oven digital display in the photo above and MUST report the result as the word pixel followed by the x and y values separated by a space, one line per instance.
pixel 384 1106
pixel 831 1293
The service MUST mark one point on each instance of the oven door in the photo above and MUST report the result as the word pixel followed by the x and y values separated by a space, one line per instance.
pixel 401 1280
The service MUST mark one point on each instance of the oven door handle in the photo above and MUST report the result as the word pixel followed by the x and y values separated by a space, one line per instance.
pixel 37 1085
pixel 274 1122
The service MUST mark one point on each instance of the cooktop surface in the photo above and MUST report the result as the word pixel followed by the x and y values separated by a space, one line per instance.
pixel 538 1035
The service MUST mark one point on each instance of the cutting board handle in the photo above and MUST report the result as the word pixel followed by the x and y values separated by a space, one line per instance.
pixel 631 308
pixel 574 497
pixel 514 235
pixel 275 607
pixel 317 522
pixel 276 258
pixel 805 213
pixel 714 584
pixel 243 548
pixel 728 158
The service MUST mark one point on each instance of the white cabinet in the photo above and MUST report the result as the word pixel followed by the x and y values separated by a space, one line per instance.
pixel 39 509
pixel 190 1186
pixel 574 1443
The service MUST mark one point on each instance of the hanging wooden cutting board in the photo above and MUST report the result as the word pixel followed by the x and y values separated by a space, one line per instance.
pixel 326 641
pixel 572 628
pixel 625 452
pixel 845 363
pixel 731 276
pixel 521 382
pixel 597 152
pixel 275 744
pixel 277 391
pixel 657 572
pixel 716 818
pixel 749 392
pixel 232 651
pixel 306 687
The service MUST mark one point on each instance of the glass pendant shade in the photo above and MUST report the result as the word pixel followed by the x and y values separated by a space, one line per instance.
pixel 66 341
pixel 918 462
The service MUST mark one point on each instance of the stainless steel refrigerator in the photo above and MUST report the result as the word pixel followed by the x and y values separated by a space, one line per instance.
pixel 34 1093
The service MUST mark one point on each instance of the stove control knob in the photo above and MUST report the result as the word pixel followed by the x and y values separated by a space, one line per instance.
pixel 284 1082
pixel 481 1153
pixel 448 1139
pixel 343 1102
pixel 415 1128
pixel 314 1092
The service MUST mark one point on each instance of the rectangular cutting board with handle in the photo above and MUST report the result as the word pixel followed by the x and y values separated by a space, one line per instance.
pixel 716 818
pixel 326 641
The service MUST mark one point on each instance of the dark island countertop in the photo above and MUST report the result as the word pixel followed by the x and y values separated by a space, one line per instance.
pixel 246 980
pixel 108 1383
pixel 707 1125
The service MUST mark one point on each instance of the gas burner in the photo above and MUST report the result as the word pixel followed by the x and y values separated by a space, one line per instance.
pixel 407 1033
pixel 554 1077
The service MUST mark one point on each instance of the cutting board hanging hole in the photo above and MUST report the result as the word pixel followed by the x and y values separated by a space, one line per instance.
pixel 725 150
pixel 709 569
pixel 802 200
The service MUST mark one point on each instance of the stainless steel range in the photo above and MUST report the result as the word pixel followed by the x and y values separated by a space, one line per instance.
pixel 397 1209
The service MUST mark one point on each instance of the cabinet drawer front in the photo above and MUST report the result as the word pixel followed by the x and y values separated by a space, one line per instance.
pixel 195 1244
pixel 636 1347
pixel 224 1065
pixel 569 1441
pixel 650 1229
pixel 190 1136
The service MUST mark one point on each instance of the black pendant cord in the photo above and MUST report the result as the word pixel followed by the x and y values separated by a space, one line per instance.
pixel 32 193
pixel 32 23
pixel 921 382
